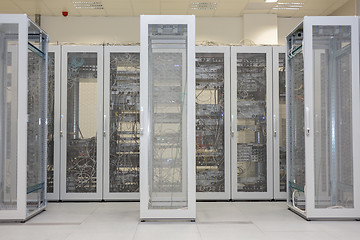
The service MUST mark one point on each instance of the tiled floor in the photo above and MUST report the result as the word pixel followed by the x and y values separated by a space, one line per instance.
pixel 215 221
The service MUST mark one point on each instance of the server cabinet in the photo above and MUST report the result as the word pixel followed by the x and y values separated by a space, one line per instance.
pixel 23 118
pixel 279 122
pixel 81 123
pixel 323 112
pixel 53 159
pixel 251 121
pixel 167 115
pixel 212 123
pixel 121 122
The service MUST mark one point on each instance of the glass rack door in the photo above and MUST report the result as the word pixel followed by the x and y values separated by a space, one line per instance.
pixel 295 117
pixel 36 119
pixel 279 122
pixel 167 168
pixel 53 163
pixel 9 52
pixel 252 166
pixel 121 122
pixel 212 115
pixel 81 123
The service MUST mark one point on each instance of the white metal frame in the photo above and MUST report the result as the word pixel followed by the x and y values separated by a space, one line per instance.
pixel 107 195
pixel 251 195
pixel 190 211
pixel 20 214
pixel 226 51
pixel 55 196
pixel 99 133
pixel 276 123
pixel 332 213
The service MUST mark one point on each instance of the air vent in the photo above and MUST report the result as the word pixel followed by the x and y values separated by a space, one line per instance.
pixel 203 6
pixel 88 5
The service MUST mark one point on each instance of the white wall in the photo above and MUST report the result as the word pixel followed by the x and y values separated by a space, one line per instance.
pixel 218 29
pixel 285 26
pixel 118 30
pixel 261 28
pixel 91 30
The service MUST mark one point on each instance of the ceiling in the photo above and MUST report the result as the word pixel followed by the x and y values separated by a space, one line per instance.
pixel 133 8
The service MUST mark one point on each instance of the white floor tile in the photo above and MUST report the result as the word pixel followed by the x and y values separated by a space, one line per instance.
pixel 299 235
pixel 166 235
pixel 232 235
pixel 215 221
pixel 167 226
pixel 100 236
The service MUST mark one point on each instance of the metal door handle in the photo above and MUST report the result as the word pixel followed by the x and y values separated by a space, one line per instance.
pixel 232 133
pixel 104 133
pixel 61 125
pixel 307 120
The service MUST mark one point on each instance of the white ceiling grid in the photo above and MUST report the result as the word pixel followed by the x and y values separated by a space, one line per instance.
pixel 224 8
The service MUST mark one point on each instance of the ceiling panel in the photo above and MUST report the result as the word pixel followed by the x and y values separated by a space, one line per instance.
pixel 225 8
pixel 201 13
pixel 116 4
pixel 175 5
pixel 317 4
pixel 308 13
pixel 172 12
pixel 119 12
pixel 259 6
pixel 231 5
pixel 7 4
pixel 55 4
pixel 148 8
pixel 28 4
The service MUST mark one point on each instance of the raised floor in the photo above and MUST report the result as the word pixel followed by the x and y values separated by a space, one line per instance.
pixel 215 221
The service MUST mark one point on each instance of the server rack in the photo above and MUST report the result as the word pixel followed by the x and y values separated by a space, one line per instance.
pixel 167 115
pixel 23 122
pixel 323 112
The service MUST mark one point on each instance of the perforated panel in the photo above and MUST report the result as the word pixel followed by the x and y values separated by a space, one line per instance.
pixel 210 164
pixel 50 137
pixel 333 117
pixel 124 122
pixel 8 116
pixel 167 91
pixel 282 122
pixel 81 159
pixel 251 122
pixel 295 126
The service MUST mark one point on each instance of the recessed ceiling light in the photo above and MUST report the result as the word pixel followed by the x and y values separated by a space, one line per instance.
pixel 88 5
pixel 288 6
pixel 203 6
